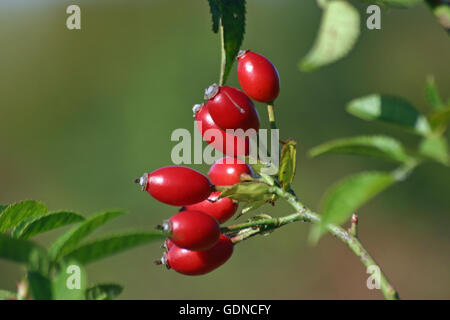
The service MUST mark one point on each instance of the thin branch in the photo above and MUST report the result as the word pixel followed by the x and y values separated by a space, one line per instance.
pixel 223 62
pixel 265 225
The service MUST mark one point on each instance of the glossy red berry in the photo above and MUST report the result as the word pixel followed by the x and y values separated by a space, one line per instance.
pixel 227 171
pixel 195 263
pixel 230 108
pixel 257 76
pixel 222 209
pixel 193 230
pixel 227 143
pixel 176 185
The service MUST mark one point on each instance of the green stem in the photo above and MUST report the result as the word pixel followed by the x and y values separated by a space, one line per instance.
pixel 223 62
pixel 271 113
pixel 306 215
pixel 350 240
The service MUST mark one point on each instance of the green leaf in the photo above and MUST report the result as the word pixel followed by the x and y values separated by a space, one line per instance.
pixel 261 167
pixel 248 191
pixel 372 146
pixel 14 214
pixel 390 109
pixel 214 7
pixel 442 13
pixel 338 32
pixel 70 282
pixel 40 286
pixel 435 148
pixel 348 195
pixel 49 221
pixel 107 291
pixel 229 18
pixel 22 251
pixel 112 244
pixel 252 205
pixel 68 241
pixel 440 119
pixel 287 164
pixel 432 95
pixel 3 207
pixel 6 295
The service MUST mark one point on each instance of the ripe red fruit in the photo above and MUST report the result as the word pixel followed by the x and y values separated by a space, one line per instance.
pixel 193 230
pixel 195 263
pixel 230 108
pixel 228 144
pixel 221 209
pixel 176 185
pixel 257 76
pixel 227 171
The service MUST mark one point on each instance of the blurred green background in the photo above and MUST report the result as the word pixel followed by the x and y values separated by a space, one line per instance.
pixel 84 112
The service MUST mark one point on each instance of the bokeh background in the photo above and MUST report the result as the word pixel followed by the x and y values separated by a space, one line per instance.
pixel 82 113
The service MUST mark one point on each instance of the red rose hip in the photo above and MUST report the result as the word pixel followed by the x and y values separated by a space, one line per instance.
pixel 176 185
pixel 222 209
pixel 230 108
pixel 227 171
pixel 224 142
pixel 257 76
pixel 195 263
pixel 193 230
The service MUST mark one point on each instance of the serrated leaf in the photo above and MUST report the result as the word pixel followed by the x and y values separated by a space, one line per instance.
pixel 7 295
pixel 70 282
pixel 432 95
pixel 40 286
pixel 47 222
pixel 112 244
pixel 68 241
pixel 14 214
pixel 107 291
pixel 390 109
pixel 435 147
pixel 372 146
pixel 22 251
pixel 338 32
pixel 228 18
pixel 215 14
pixel 287 164
pixel 248 191
pixel 348 195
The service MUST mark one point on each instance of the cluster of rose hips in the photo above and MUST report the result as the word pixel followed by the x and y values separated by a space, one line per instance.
pixel 195 244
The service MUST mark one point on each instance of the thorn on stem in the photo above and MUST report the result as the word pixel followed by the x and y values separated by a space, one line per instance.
pixel 353 230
